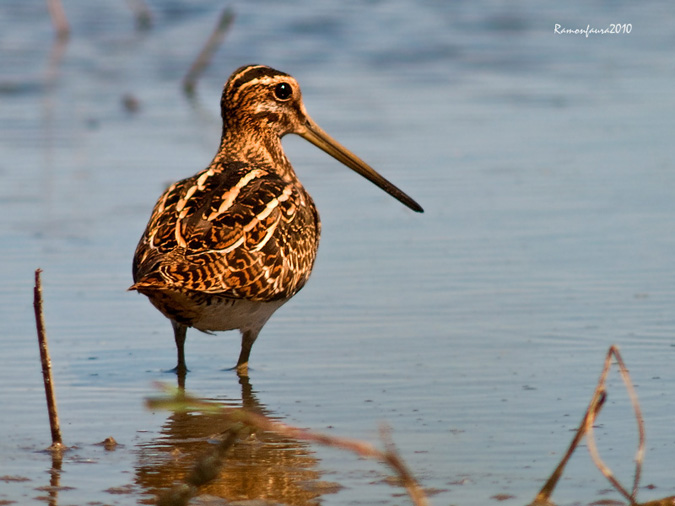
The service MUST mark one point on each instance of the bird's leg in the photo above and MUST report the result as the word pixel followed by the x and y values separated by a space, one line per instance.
pixel 179 333
pixel 248 337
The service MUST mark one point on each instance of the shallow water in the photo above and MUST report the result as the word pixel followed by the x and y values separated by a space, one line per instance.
pixel 476 330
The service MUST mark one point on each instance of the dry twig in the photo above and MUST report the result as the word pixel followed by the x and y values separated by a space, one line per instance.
pixel 57 442
pixel 141 13
pixel 590 439
pixel 204 58
pixel 597 401
pixel 59 18
pixel 586 428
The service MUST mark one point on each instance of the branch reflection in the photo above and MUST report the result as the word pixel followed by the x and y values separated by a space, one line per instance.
pixel 262 466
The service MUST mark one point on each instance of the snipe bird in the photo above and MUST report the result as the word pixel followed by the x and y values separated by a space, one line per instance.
pixel 225 248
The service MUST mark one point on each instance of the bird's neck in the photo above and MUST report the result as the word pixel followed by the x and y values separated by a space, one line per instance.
pixel 258 149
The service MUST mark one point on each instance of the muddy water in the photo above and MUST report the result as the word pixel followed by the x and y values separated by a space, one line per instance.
pixel 476 330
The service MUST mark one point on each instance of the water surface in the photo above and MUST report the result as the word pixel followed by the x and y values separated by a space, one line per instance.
pixel 476 330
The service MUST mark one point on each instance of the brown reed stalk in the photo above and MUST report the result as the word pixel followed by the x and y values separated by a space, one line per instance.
pixel 586 429
pixel 141 13
pixel 590 439
pixel 206 54
pixel 59 19
pixel 57 441
pixel 597 401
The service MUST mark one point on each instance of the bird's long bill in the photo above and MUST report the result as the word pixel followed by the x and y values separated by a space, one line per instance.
pixel 314 134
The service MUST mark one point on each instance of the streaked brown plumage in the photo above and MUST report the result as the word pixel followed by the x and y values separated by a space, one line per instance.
pixel 228 246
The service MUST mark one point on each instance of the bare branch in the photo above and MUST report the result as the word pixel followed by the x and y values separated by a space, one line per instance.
pixel 59 18
pixel 639 456
pixel 57 442
pixel 594 407
pixel 204 58
pixel 141 13
pixel 586 428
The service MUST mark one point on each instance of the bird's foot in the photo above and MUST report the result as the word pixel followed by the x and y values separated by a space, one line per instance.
pixel 240 369
pixel 179 370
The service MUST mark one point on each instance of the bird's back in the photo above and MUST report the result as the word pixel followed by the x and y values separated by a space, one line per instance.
pixel 233 230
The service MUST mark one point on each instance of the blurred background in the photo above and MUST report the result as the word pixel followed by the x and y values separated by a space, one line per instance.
pixel 477 330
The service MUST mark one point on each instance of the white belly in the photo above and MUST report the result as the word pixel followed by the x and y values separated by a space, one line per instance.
pixel 231 314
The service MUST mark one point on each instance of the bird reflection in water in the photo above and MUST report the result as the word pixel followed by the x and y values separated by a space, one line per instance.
pixel 263 466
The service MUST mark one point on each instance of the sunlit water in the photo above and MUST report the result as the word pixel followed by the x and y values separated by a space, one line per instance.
pixel 476 330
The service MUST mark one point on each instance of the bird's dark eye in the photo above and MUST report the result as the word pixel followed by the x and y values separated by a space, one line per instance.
pixel 283 91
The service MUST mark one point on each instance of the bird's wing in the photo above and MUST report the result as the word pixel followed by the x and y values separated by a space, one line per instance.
pixel 239 232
